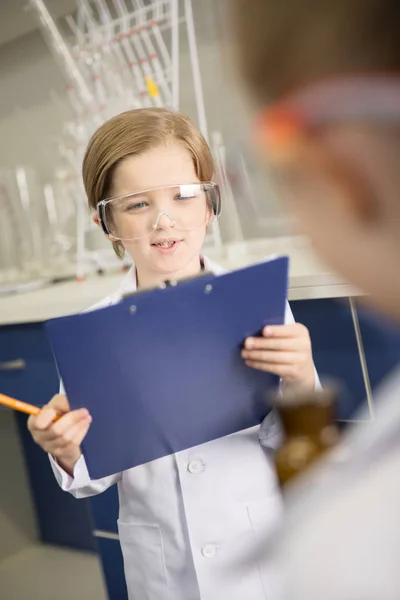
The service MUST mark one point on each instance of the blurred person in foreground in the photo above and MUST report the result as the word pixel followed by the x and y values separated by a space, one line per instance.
pixel 325 77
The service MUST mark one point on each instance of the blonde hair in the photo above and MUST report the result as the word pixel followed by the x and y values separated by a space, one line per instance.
pixel 284 44
pixel 131 133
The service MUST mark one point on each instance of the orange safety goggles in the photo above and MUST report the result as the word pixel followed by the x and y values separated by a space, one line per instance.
pixel 361 99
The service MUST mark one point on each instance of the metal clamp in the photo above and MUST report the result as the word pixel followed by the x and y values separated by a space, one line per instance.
pixel 13 365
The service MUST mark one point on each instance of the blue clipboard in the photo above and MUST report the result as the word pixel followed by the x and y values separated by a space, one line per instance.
pixel 161 371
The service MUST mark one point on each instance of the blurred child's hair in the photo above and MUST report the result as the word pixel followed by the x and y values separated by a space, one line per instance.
pixel 282 44
pixel 131 133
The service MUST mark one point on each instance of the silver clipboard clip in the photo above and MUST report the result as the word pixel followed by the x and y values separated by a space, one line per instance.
pixel 167 283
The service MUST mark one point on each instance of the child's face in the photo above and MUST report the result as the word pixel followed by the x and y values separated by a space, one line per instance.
pixel 160 166
pixel 343 188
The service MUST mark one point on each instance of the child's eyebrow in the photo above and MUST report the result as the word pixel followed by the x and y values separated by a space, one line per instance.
pixel 128 195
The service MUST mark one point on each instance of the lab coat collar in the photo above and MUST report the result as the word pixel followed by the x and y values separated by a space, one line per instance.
pixel 129 282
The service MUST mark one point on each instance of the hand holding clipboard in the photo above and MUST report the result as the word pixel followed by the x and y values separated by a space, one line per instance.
pixel 183 385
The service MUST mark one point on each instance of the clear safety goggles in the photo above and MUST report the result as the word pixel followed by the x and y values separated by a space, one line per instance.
pixel 138 215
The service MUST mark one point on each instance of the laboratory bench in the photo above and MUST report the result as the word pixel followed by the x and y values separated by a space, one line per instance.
pixel 350 344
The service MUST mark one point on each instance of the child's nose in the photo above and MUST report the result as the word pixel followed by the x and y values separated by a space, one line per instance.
pixel 164 219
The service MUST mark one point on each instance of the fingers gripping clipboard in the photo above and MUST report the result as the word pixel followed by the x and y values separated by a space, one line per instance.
pixel 161 371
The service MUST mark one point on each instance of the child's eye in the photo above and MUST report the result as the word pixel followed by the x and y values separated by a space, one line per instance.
pixel 135 206
pixel 188 192
pixel 185 196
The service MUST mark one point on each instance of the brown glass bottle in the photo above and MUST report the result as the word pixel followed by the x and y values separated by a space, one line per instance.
pixel 308 420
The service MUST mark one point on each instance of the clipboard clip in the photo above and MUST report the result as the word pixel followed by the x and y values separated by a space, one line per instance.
pixel 170 283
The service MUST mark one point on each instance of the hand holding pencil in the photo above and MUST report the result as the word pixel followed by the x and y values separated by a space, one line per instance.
pixel 60 431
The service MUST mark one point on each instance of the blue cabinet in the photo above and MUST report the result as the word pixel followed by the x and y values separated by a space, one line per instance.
pixel 113 568
pixel 335 350
pixel 35 381
pixel 338 354
pixel 61 518
pixel 105 509
pixel 381 344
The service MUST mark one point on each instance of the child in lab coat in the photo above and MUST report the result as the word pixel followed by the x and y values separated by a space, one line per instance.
pixel 326 78
pixel 183 518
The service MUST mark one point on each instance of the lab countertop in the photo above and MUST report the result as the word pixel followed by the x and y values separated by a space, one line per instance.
pixel 308 279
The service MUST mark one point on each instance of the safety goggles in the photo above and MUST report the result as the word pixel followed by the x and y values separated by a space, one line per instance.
pixel 185 207
pixel 355 99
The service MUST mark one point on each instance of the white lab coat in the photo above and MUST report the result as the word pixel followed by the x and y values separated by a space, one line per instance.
pixel 341 534
pixel 185 519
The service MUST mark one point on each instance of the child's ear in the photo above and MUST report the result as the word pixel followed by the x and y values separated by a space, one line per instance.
pixel 96 220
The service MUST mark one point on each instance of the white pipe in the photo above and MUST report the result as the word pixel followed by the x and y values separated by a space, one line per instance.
pixel 107 29
pixel 158 11
pixel 50 204
pixel 175 53
pixel 62 50
pixel 134 63
pixel 138 5
pixel 145 68
pixel 155 70
pixel 80 21
pixel 143 60
pixel 92 26
pixel 194 59
pixel 159 74
pixel 104 13
pixel 103 29
pixel 162 46
pixel 75 30
pixel 123 60
pixel 122 12
pixel 133 53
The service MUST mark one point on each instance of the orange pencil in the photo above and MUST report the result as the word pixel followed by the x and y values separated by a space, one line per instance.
pixel 24 407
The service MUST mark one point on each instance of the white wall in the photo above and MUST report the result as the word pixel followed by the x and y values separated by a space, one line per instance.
pixel 29 118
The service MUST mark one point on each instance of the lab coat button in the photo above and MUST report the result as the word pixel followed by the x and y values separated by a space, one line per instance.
pixel 209 551
pixel 195 467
